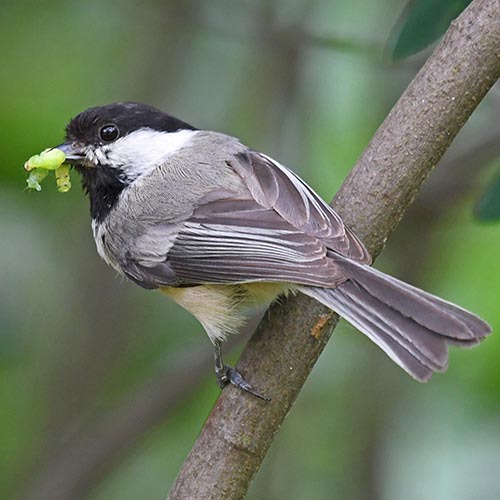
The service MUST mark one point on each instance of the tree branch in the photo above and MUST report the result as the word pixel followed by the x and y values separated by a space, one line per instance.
pixel 373 199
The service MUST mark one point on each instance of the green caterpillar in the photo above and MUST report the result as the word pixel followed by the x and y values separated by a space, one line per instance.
pixel 39 165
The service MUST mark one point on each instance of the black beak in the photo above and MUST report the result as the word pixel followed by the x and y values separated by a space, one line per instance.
pixel 75 154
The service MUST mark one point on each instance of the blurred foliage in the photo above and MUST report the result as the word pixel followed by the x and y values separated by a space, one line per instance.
pixel 488 205
pixel 76 342
pixel 423 22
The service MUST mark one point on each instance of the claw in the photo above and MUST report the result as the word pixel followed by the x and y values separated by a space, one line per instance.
pixel 228 374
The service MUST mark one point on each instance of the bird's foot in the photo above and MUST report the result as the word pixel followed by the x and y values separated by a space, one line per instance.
pixel 229 375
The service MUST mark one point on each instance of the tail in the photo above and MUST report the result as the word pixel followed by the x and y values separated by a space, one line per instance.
pixel 412 326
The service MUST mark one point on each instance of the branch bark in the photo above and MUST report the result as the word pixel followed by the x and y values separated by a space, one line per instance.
pixel 372 200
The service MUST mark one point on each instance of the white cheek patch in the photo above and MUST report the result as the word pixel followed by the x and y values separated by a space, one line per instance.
pixel 140 152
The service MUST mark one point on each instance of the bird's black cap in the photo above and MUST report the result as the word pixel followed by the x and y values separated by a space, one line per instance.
pixel 127 116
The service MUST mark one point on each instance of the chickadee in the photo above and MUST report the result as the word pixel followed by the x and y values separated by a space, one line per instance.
pixel 219 228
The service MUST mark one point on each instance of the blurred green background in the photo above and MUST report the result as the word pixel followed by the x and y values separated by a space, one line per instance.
pixel 104 386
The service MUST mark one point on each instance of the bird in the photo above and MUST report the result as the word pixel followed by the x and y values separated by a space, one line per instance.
pixel 222 229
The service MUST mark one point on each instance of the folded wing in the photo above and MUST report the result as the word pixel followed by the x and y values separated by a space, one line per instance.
pixel 279 230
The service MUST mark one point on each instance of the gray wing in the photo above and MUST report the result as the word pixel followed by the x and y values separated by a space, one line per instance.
pixel 279 230
pixel 274 186
pixel 238 240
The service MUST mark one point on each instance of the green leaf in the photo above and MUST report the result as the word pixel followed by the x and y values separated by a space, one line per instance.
pixel 488 206
pixel 421 23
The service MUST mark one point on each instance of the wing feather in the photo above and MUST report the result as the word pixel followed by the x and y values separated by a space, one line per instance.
pixel 297 203
pixel 278 230
pixel 236 240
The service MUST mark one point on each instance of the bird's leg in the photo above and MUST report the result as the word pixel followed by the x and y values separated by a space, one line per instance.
pixel 226 374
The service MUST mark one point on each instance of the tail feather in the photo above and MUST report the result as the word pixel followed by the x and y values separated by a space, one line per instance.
pixel 412 326
pixel 430 350
pixel 428 310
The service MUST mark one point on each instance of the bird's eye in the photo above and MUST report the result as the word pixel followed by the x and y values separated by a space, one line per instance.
pixel 109 133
